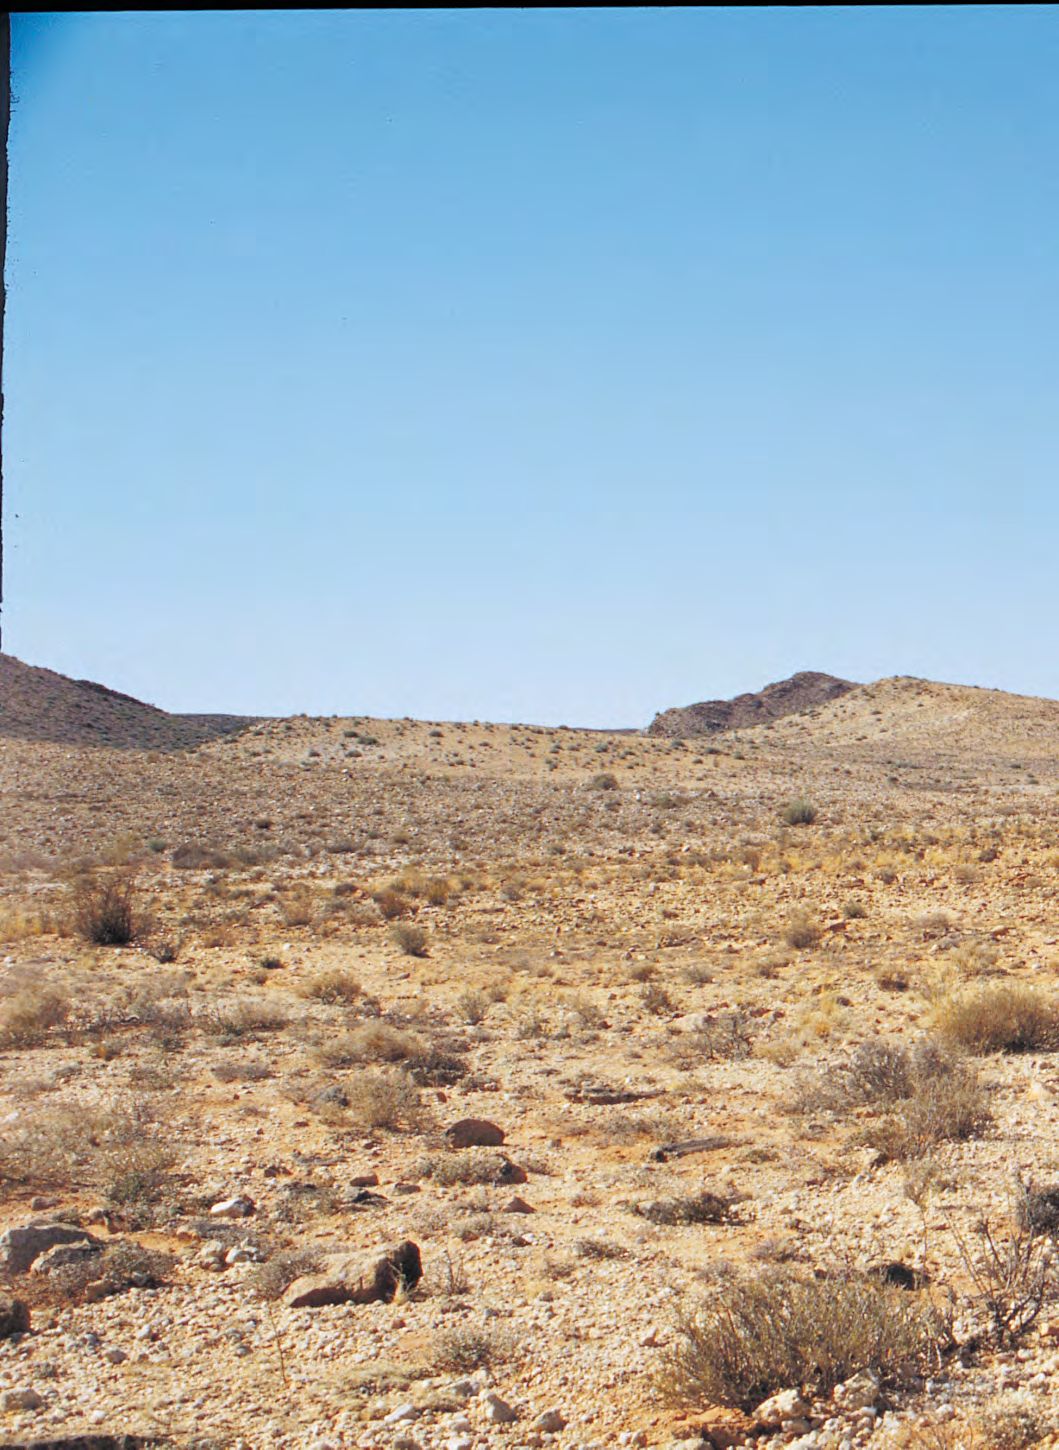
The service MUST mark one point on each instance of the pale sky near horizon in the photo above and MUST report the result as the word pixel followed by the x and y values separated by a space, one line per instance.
pixel 557 366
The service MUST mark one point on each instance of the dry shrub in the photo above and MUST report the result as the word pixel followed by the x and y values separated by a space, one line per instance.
pixel 702 1207
pixel 412 940
pixel 599 1249
pixel 927 1094
pixel 121 1266
pixel 104 909
pixel 332 986
pixel 775 1330
pixel 1009 1017
pixel 250 1070
pixel 243 1017
pixel 472 1006
pixel 801 933
pixel 393 904
pixel 370 1042
pixel 465 1348
pixel 479 1166
pixel 28 1016
pixel 799 813
pixel 298 911
pixel 58 1144
pixel 728 1036
pixel 386 1098
pixel 606 780
pixel 656 1000
pixel 1012 1272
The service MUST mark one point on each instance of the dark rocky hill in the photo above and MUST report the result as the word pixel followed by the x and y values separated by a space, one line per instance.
pixel 801 692
pixel 38 704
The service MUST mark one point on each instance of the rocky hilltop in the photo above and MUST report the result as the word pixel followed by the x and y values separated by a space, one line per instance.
pixel 803 691
pixel 41 705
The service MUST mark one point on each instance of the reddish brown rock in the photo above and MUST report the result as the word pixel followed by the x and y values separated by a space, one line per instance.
pixel 474 1133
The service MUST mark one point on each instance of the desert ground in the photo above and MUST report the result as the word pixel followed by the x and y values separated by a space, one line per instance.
pixel 754 1020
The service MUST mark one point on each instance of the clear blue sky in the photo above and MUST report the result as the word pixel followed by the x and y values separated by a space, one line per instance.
pixel 556 366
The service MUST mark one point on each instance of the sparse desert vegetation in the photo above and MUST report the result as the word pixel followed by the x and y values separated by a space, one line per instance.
pixel 670 1075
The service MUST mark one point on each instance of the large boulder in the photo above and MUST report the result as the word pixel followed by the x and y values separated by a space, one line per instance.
pixel 474 1133
pixel 21 1246
pixel 359 1278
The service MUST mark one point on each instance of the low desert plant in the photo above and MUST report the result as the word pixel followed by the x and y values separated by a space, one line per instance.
pixel 1008 1017
pixel 801 933
pixel 702 1207
pixel 332 986
pixel 391 903
pixel 271 1280
pixel 606 780
pixel 472 1006
pixel 387 1098
pixel 799 813
pixel 926 1095
pixel 371 1041
pixel 775 1330
pixel 465 1348
pixel 27 1017
pixel 412 940
pixel 105 911
pixel 243 1017
pixel 121 1266
pixel 1012 1272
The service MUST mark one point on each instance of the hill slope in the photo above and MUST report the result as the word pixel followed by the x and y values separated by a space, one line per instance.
pixel 39 704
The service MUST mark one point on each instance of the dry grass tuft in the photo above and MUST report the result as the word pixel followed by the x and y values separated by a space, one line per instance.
pixel 332 986
pixel 1008 1017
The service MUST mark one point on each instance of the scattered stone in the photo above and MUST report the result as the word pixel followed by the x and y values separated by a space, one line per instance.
pixel 859 1393
pixel 358 1279
pixel 498 1411
pixel 466 1389
pixel 238 1207
pixel 517 1205
pixel 365 1180
pixel 787 1405
pixel 404 1189
pixel 115 1356
pixel 20 1247
pixel 212 1255
pixel 14 1318
pixel 402 1414
pixel 551 1422
pixel 474 1133
pixel 27 1399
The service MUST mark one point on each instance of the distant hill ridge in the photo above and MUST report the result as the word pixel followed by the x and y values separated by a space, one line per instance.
pixel 802 691
pixel 39 704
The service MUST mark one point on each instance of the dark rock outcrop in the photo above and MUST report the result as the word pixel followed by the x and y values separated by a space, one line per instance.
pixel 802 691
